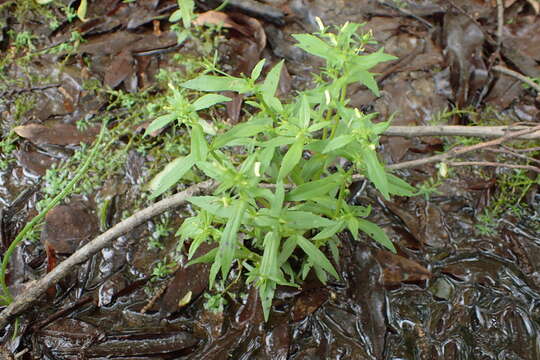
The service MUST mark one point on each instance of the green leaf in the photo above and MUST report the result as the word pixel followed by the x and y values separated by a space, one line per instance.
pixel 227 244
pixel 314 189
pixel 208 128
pixel 159 123
pixel 266 293
pixel 376 172
pixel 269 262
pixel 330 231
pixel 250 128
pixel 175 16
pixel 366 62
pixel 376 233
pixel 304 113
pixel 209 100
pixel 271 82
pixel 314 45
pixel 399 187
pixel 210 169
pixel 170 175
pixel 277 201
pixel 217 83
pixel 81 10
pixel 366 78
pixel 206 258
pixel 337 143
pixel 269 87
pixel 304 220
pixel 287 250
pixel 199 147
pixel 291 158
pixel 256 72
pixel 186 8
pixel 213 205
pixel 315 255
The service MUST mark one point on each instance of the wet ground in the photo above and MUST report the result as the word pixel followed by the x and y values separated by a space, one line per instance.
pixel 464 285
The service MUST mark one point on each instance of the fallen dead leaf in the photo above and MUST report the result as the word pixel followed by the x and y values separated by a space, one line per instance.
pixel 397 269
pixel 57 134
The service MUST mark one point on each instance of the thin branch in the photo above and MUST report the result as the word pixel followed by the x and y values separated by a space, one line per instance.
pixel 494 164
pixel 463 149
pixel 38 288
pixel 500 22
pixel 518 76
pixel 508 151
pixel 470 131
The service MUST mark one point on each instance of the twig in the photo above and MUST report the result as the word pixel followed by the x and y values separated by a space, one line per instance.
pixel 500 23
pixel 494 164
pixel 508 151
pixel 474 131
pixel 39 287
pixel 518 76
pixel 462 150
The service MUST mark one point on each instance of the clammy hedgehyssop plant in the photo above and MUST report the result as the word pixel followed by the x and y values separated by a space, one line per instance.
pixel 284 193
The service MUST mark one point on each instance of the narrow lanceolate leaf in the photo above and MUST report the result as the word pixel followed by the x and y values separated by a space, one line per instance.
pixel 271 82
pixel 291 158
pixel 227 245
pixel 313 45
pixel 316 256
pixel 170 175
pixel 256 72
pixel 213 205
pixel 186 8
pixel 314 189
pixel 241 130
pixel 269 263
pixel 217 83
pixel 376 172
pixel 199 147
pixel 376 233
pixel 304 220
pixel 337 143
pixel 304 113
pixel 367 79
pixel 269 88
pixel 159 123
pixel 366 62
pixel 209 100
pixel 399 187
pixel 81 10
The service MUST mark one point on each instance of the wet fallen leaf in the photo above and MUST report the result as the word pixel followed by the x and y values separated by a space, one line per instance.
pixel 56 134
pixel 398 269
pixel 307 303
pixel 219 18
pixel 33 161
pixel 67 226
pixel 119 69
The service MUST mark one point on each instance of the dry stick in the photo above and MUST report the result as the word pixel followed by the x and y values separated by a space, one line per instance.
pixel 475 131
pixel 494 164
pixel 39 287
pixel 510 152
pixel 463 149
pixel 518 76
pixel 500 23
